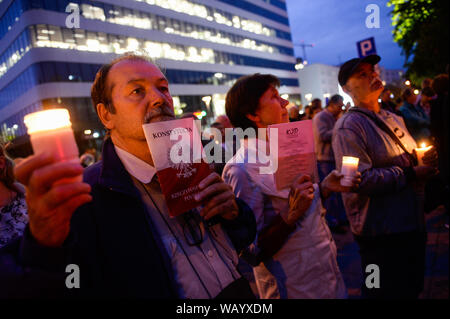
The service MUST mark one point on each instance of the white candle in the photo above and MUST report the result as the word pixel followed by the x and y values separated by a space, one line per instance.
pixel 349 168
pixel 420 152
pixel 51 133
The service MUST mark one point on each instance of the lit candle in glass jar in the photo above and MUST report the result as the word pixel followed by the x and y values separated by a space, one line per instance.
pixel 349 168
pixel 420 152
pixel 51 133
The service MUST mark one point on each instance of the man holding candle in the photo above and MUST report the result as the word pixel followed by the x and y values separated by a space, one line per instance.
pixel 115 226
pixel 386 212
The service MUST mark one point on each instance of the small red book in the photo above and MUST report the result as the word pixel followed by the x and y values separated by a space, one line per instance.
pixel 178 157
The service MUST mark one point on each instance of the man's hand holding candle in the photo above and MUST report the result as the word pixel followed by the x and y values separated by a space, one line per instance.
pixel 428 164
pixel 51 204
pixel 53 177
pixel 332 183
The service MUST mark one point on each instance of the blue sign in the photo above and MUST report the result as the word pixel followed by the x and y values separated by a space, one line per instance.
pixel 366 47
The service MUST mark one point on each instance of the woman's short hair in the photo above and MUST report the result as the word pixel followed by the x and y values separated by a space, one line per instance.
pixel 243 98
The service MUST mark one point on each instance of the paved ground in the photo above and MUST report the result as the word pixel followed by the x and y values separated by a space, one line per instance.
pixel 437 257
pixel 437 260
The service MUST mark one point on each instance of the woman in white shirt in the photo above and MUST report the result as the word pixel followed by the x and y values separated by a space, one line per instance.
pixel 294 255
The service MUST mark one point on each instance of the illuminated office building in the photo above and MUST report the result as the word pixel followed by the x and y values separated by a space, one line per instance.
pixel 47 60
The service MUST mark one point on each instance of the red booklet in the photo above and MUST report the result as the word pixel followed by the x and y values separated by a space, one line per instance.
pixel 178 157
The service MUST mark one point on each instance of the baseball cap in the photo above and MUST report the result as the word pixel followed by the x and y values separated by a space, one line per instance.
pixel 349 67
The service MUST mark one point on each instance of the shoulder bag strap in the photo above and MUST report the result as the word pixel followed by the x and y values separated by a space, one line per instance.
pixel 383 126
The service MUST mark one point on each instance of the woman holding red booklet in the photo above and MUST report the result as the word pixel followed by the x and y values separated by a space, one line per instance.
pixel 294 255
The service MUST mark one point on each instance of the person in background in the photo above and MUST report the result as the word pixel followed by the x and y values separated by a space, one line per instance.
pixel 398 104
pixel 221 129
pixel 229 146
pixel 294 114
pixel 426 96
pixel 323 124
pixel 13 208
pixel 416 120
pixel 219 139
pixel 294 255
pixel 224 120
pixel 87 159
pixel 386 212
pixel 306 115
pixel 316 107
pixel 427 82
pixel 386 101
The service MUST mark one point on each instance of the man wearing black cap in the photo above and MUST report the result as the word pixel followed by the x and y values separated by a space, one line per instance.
pixel 386 212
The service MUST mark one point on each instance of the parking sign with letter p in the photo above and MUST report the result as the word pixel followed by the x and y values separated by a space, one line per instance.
pixel 366 47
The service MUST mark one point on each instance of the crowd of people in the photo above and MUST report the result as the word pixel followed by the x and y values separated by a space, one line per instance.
pixel 115 224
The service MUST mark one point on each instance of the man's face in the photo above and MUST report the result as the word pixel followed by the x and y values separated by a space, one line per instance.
pixel 336 108
pixel 139 94
pixel 364 84
pixel 271 109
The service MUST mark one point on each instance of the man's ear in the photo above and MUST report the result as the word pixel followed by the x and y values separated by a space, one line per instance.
pixel 105 116
pixel 254 118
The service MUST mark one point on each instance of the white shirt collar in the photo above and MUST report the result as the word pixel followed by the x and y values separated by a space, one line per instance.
pixel 136 167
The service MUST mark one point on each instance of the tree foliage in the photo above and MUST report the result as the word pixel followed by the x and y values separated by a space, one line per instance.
pixel 421 30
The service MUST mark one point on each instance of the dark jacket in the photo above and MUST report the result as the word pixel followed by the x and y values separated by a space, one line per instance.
pixel 112 240
pixel 416 120
pixel 440 131
pixel 323 124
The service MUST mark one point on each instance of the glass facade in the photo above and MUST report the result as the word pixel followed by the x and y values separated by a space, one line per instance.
pixel 149 21
pixel 242 4
pixel 118 14
pixel 14 126
pixel 48 36
pixel 277 3
pixel 12 55
pixel 10 17
pixel 46 72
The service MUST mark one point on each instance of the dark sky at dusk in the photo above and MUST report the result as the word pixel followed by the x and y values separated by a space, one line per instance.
pixel 334 26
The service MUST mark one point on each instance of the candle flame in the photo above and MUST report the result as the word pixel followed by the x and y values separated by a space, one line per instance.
pixel 47 120
pixel 422 145
pixel 350 160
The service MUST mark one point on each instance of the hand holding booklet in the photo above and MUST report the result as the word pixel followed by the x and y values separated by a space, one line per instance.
pixel 179 160
pixel 296 153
